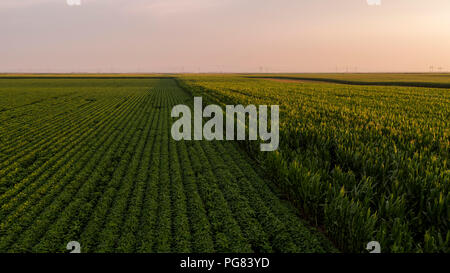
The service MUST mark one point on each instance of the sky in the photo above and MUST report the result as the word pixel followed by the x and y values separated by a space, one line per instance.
pixel 112 36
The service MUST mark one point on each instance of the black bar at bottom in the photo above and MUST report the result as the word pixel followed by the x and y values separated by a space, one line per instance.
pixel 225 262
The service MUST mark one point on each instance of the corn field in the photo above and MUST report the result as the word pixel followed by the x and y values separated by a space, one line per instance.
pixel 362 162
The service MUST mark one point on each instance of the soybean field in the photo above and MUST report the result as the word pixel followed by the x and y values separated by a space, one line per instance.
pixel 92 160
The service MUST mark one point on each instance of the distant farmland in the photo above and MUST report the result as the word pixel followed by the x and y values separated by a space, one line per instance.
pixel 90 158
pixel 433 80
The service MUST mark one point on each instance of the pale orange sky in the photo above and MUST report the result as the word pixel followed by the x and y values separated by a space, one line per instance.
pixel 224 36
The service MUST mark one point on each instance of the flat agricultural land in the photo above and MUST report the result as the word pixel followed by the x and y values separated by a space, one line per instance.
pixel 90 158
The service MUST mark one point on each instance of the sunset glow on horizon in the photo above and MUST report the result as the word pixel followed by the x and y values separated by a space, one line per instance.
pixel 113 36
